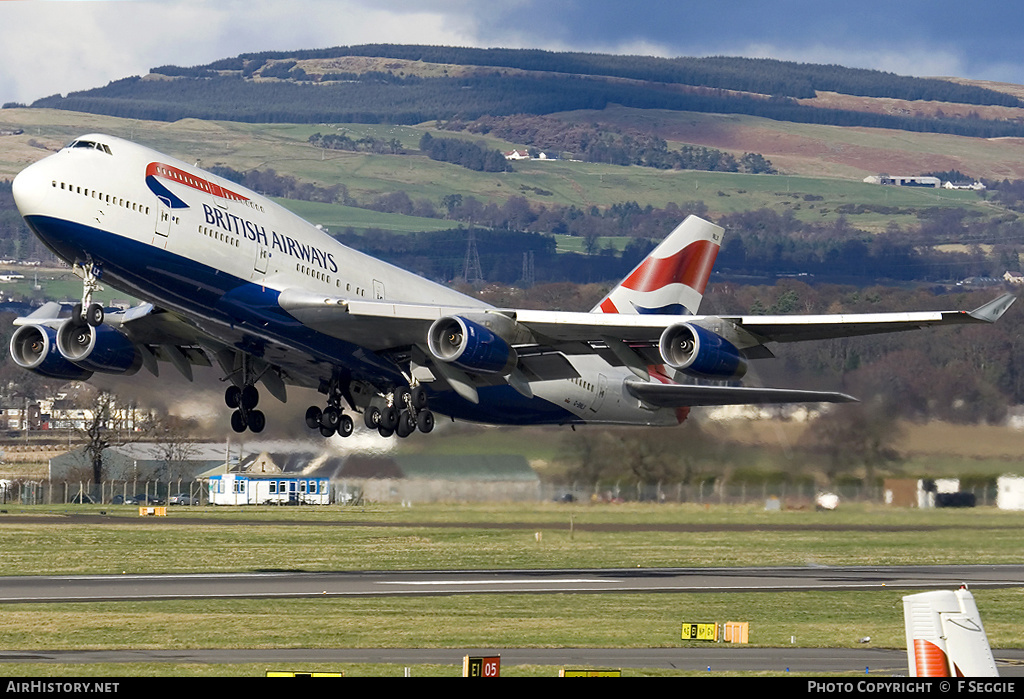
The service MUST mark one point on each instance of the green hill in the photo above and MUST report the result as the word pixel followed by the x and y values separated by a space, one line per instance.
pixel 413 84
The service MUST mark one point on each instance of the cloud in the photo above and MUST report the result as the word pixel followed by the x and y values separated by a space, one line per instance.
pixel 49 47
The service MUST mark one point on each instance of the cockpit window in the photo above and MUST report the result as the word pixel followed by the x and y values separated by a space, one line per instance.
pixel 81 143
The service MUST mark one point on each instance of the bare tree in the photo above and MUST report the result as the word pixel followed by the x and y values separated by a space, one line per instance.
pixel 855 435
pixel 174 441
pixel 106 423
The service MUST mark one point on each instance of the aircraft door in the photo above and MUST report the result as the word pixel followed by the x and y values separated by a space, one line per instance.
pixel 163 217
pixel 378 290
pixel 602 389
pixel 262 257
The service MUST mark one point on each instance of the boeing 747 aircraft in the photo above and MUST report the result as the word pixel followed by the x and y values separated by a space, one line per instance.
pixel 229 278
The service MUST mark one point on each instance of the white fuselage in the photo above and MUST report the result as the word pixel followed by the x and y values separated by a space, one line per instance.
pixel 184 240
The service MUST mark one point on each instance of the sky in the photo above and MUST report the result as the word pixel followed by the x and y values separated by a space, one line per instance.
pixel 59 46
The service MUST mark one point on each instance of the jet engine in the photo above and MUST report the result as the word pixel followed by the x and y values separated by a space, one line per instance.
pixel 698 352
pixel 101 348
pixel 470 346
pixel 34 347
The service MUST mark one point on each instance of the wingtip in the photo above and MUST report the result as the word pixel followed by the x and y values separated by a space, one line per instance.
pixel 994 309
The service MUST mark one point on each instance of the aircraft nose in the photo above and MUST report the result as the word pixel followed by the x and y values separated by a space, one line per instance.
pixel 31 187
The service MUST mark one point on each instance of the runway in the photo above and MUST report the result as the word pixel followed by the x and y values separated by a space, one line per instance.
pixel 94 588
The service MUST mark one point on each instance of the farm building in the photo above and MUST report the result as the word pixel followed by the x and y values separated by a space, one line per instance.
pixel 141 461
pixel 904 180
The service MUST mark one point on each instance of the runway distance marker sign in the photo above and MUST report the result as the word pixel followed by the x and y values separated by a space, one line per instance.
pixel 700 632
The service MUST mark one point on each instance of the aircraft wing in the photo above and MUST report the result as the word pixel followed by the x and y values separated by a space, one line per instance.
pixel 822 327
pixel 381 324
pixel 662 395
pixel 750 331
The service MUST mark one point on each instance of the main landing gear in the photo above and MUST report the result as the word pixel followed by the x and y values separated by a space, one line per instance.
pixel 404 412
pixel 244 400
pixel 331 420
pixel 243 396
pixel 401 412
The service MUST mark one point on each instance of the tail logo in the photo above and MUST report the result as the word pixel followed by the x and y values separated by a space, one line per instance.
pixel 667 285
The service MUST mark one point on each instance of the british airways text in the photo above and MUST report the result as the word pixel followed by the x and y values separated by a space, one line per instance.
pixel 278 241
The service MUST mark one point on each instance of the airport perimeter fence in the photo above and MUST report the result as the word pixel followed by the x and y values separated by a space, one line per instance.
pixel 771 496
pixel 136 492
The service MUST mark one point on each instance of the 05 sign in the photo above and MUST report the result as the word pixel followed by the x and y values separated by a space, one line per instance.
pixel 481 667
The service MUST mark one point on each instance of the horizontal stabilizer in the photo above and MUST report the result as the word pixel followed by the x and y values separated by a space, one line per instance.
pixel 689 395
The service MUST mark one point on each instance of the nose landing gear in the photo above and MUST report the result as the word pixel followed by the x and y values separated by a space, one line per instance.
pixel 87 312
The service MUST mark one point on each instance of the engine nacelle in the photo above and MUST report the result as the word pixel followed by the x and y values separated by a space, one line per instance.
pixel 34 347
pixel 101 348
pixel 470 346
pixel 698 352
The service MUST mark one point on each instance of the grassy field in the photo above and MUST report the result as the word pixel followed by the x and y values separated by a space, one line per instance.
pixel 443 537
pixel 434 537
pixel 54 284
pixel 803 619
pixel 284 148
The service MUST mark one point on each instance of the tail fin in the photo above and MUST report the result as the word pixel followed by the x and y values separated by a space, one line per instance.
pixel 671 280
pixel 945 637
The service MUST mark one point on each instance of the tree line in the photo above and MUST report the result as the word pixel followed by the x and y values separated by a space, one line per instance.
pixel 758 75
pixel 415 100
pixel 473 156
pixel 366 144
pixel 605 143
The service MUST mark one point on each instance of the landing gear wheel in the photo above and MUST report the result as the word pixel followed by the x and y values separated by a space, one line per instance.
pixel 406 424
pixel 385 432
pixel 76 314
pixel 345 426
pixel 389 418
pixel 326 431
pixel 250 397
pixel 257 421
pixel 425 421
pixel 419 399
pixel 313 415
pixel 233 397
pixel 94 315
pixel 402 397
pixel 372 417
pixel 331 417
pixel 238 421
